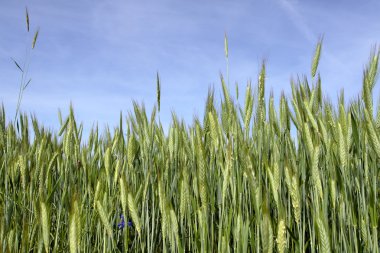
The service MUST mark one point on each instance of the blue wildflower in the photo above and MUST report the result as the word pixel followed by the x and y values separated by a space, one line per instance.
pixel 122 223
pixel 130 223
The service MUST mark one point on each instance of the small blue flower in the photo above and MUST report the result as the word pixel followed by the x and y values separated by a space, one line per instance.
pixel 122 223
pixel 130 223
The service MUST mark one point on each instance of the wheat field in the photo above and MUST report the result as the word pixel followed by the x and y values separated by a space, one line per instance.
pixel 234 181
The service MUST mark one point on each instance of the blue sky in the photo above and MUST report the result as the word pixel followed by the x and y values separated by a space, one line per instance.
pixel 102 54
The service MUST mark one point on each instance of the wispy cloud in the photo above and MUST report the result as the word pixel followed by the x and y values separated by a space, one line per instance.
pixel 297 19
pixel 313 21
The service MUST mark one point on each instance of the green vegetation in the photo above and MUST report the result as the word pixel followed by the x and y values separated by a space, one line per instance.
pixel 234 182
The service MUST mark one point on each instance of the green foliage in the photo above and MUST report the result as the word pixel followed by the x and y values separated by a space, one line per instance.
pixel 232 183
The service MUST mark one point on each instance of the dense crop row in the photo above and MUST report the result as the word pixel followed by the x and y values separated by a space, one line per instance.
pixel 235 181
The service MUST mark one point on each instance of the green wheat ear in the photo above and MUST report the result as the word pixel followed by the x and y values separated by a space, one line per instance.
pixel 27 18
pixel 35 38
pixel 323 237
pixel 281 236
pixel 226 55
pixel 74 227
pixel 225 45
pixel 158 92
pixel 104 218
pixel 45 225
pixel 134 213
pixel 316 57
